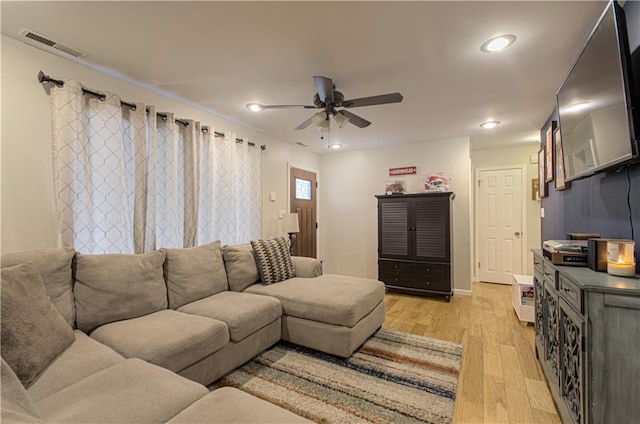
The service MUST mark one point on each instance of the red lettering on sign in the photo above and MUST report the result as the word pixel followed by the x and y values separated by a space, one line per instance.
pixel 407 170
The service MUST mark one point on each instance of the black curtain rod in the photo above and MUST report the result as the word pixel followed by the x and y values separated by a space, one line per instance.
pixel 46 78
pixel 205 130
pixel 42 78
pixel 178 121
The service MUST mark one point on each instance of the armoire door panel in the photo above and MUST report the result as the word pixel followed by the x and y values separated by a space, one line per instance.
pixel 394 234
pixel 432 230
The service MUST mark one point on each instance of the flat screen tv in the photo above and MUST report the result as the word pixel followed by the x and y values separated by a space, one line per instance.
pixel 598 123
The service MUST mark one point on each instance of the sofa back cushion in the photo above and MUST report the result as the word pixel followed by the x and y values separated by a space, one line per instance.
pixel 33 331
pixel 194 273
pixel 54 266
pixel 114 287
pixel 242 270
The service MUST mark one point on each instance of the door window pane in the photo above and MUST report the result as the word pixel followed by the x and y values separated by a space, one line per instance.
pixel 303 189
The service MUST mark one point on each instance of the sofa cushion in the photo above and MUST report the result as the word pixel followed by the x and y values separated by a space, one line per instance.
pixel 329 298
pixel 83 358
pixel 114 287
pixel 167 338
pixel 273 259
pixel 33 331
pixel 229 405
pixel 242 270
pixel 54 266
pixel 194 273
pixel 243 313
pixel 16 405
pixel 132 391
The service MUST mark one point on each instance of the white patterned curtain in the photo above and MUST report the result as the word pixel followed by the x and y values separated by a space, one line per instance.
pixel 230 190
pixel 96 154
pixel 174 195
pixel 131 181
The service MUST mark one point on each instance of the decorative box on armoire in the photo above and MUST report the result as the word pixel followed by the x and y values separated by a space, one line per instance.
pixel 415 242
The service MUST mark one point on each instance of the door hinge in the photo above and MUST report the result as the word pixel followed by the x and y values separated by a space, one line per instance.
pixel 316 225
pixel 479 181
pixel 316 184
pixel 478 265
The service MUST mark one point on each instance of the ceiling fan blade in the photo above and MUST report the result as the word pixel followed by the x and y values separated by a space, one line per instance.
pixel 373 100
pixel 355 119
pixel 305 124
pixel 324 86
pixel 288 107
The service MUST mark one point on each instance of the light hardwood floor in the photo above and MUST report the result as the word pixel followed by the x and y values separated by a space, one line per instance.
pixel 500 378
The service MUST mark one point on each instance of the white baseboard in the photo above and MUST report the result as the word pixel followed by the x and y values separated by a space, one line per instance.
pixel 462 292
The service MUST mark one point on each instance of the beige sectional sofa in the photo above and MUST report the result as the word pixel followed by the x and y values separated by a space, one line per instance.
pixel 143 333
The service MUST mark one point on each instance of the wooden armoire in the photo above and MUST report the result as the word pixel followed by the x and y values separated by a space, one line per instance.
pixel 415 243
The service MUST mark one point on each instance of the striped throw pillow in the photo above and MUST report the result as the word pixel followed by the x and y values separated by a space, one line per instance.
pixel 274 260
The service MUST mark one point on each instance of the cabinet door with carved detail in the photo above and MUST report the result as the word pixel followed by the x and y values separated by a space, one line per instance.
pixel 540 321
pixel 572 361
pixel 551 331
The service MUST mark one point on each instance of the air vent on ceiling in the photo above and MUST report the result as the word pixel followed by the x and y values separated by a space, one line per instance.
pixel 46 43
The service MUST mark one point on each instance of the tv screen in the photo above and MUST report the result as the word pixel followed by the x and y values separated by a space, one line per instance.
pixel 594 102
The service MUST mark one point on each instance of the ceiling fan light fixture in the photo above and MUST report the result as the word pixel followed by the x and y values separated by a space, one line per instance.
pixel 255 107
pixel 335 146
pixel 489 124
pixel 319 119
pixel 341 120
pixel 325 126
pixel 498 43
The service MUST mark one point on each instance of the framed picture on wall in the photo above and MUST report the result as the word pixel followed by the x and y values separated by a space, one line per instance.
pixel 542 186
pixel 548 147
pixel 561 184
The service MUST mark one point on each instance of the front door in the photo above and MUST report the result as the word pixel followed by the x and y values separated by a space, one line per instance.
pixel 499 200
pixel 303 190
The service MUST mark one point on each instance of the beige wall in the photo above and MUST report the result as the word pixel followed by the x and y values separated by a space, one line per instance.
pixel 516 156
pixel 350 180
pixel 28 209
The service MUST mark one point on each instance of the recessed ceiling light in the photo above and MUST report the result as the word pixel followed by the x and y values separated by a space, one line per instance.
pixel 577 107
pixel 489 124
pixel 255 107
pixel 498 43
pixel 335 146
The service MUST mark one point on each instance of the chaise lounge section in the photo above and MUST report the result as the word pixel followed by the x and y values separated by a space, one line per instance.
pixel 331 313
pixel 138 328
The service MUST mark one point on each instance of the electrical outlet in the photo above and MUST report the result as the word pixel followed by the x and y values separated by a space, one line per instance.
pixel 281 213
pixel 541 212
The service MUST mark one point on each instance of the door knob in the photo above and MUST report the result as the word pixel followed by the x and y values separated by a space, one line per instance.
pixel 517 233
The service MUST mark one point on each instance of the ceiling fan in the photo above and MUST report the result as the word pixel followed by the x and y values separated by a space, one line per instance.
pixel 328 99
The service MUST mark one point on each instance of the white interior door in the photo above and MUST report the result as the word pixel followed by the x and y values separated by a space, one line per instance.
pixel 500 239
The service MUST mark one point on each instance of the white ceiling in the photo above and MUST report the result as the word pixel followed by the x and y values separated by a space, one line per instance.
pixel 220 56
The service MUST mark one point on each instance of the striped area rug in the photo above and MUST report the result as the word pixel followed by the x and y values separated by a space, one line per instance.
pixel 393 378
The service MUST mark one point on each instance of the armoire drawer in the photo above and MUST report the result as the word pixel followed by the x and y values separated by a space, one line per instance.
pixel 418 275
